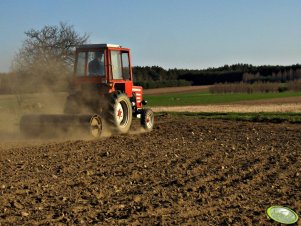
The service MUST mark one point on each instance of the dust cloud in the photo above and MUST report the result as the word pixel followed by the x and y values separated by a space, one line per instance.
pixel 39 91
pixel 38 95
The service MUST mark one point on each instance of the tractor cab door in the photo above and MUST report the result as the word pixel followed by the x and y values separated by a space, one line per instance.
pixel 121 74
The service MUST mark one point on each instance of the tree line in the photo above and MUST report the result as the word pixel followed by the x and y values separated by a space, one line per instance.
pixel 155 77
pixel 226 74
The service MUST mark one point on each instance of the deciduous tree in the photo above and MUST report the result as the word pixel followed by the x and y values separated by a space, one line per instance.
pixel 47 55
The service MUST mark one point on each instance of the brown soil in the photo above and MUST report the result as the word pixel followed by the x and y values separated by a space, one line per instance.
pixel 277 101
pixel 242 108
pixel 186 171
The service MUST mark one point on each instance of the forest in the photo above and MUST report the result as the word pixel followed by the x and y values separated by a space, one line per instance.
pixel 154 77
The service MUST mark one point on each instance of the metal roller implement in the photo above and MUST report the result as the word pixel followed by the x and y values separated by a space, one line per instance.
pixel 34 125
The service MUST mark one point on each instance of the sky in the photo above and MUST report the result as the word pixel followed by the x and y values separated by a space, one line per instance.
pixel 190 34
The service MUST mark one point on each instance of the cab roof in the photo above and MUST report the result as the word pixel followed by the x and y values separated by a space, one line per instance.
pixel 94 46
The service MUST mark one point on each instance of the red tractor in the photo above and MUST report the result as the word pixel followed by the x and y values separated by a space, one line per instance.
pixel 102 90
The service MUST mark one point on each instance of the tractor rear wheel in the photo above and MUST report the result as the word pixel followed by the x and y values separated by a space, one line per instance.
pixel 147 119
pixel 119 114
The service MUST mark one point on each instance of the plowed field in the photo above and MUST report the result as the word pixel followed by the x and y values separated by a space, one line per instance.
pixel 186 171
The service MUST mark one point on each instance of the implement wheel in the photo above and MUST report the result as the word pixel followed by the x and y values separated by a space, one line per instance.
pixel 96 126
pixel 56 125
pixel 119 114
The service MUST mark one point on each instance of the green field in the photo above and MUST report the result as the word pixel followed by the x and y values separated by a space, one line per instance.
pixel 203 98
pixel 12 107
pixel 275 117
pixel 175 99
pixel 10 103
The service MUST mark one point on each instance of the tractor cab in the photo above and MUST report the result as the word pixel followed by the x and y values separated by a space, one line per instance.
pixel 105 65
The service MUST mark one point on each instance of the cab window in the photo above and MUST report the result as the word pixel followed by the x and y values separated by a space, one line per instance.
pixel 81 62
pixel 125 66
pixel 96 64
pixel 90 63
pixel 116 65
pixel 120 65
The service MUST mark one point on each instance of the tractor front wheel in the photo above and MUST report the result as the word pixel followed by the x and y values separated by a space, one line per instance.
pixel 119 114
pixel 147 119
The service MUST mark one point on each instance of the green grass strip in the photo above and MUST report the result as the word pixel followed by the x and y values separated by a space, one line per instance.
pixel 203 98
pixel 252 117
